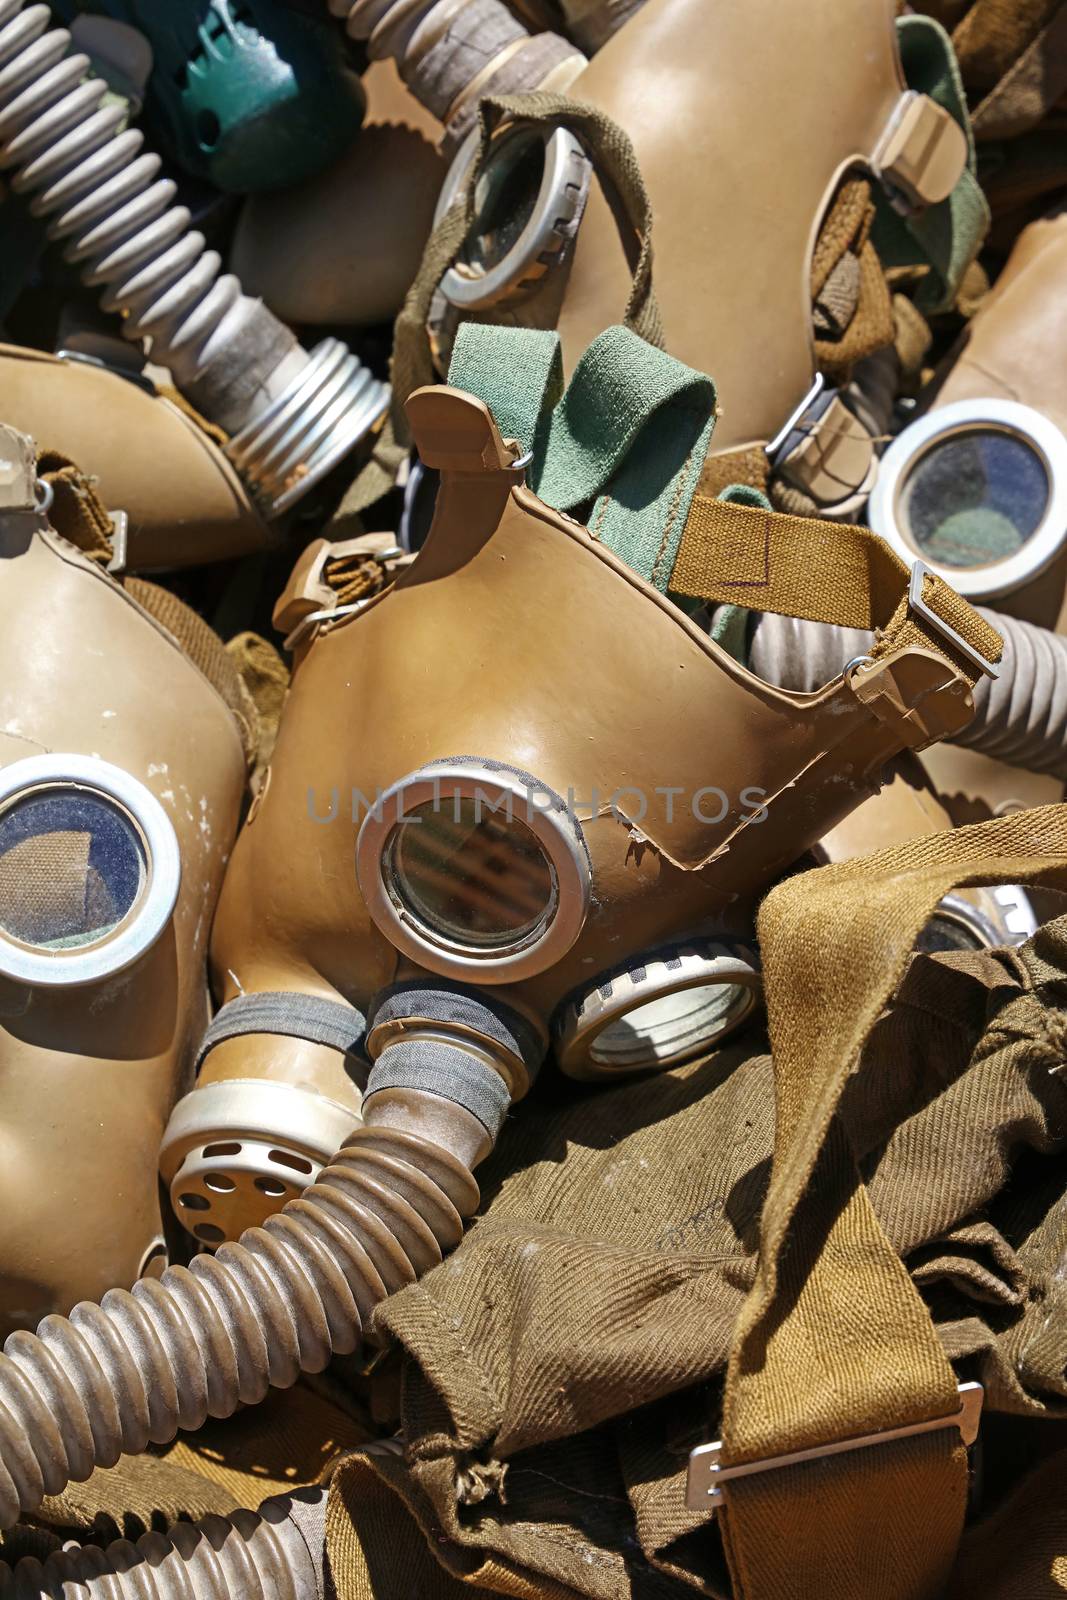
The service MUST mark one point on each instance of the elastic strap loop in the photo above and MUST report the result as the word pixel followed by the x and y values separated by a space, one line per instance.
pixel 295 1015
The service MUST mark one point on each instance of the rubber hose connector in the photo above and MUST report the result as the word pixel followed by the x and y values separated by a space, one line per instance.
pixel 63 138
pixel 1020 716
pixel 451 52
pixel 246 1556
pixel 202 1340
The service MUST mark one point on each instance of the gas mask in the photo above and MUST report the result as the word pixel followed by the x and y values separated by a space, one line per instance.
pixel 531 256
pixel 121 775
pixel 977 485
pixel 520 800
pixel 183 500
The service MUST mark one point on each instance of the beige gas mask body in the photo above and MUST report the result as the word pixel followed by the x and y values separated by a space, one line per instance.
pixel 519 797
pixel 121 777
pixel 976 485
pixel 183 500
pixel 801 97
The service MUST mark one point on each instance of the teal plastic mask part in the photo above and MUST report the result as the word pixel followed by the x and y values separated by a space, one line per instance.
pixel 247 94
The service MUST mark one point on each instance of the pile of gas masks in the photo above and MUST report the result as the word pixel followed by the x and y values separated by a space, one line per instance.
pixel 703 518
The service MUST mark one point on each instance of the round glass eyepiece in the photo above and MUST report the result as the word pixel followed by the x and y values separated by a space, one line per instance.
pixel 664 1032
pixel 89 870
pixel 475 870
pixel 72 868
pixel 470 876
pixel 973 499
pixel 977 490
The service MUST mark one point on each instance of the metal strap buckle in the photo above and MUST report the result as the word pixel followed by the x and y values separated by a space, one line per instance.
pixel 120 538
pixel 796 416
pixel 706 1476
pixel 917 604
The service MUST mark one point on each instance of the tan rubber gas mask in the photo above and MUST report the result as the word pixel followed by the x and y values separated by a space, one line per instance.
pixel 519 796
pixel 802 100
pixel 121 776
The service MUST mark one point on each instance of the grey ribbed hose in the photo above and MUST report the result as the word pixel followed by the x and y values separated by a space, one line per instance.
pixel 453 52
pixel 1020 717
pixel 292 414
pixel 273 1554
pixel 220 1333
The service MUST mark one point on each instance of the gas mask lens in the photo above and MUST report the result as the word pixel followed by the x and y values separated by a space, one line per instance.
pixel 668 1031
pixel 978 491
pixel 89 870
pixel 474 879
pixel 528 203
pixel 72 867
pixel 975 498
pixel 473 869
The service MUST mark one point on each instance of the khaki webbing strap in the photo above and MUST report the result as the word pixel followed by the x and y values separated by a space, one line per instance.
pixel 612 154
pixel 734 554
pixel 77 511
pixel 834 1342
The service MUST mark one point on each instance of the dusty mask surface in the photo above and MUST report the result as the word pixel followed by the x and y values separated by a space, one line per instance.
pixel 121 775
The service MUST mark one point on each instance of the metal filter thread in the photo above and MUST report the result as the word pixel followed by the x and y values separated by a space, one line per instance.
pixel 294 414
pixel 200 1341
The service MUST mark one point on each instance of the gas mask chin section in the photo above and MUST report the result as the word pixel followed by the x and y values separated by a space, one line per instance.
pixel 278 1091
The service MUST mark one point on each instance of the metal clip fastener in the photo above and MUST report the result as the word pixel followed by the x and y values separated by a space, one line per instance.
pixel 817 387
pixel 320 619
pixel 706 1475
pixel 120 538
pixel 916 602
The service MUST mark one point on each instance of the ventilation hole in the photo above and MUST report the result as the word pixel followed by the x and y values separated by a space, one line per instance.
pixel 219 1182
pixel 208 128
pixel 209 1233
pixel 220 1150
pixel 194 1202
pixel 272 1186
pixel 285 1159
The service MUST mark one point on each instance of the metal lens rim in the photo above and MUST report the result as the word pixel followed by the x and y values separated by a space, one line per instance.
pixel 1041 435
pixel 475 292
pixel 151 912
pixel 557 831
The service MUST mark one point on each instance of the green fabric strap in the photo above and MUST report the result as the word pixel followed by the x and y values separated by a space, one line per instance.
pixel 944 237
pixel 628 437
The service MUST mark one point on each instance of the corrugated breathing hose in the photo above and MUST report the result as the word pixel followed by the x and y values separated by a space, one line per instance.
pixel 273 1554
pixel 291 415
pixel 1020 717
pixel 202 1340
pixel 451 53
